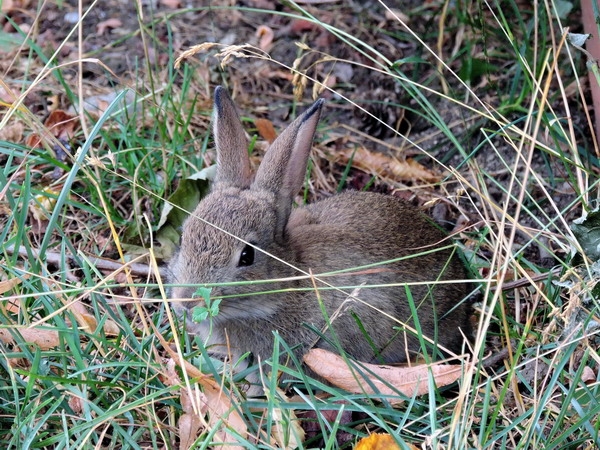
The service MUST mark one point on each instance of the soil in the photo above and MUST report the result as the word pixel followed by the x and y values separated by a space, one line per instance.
pixel 383 116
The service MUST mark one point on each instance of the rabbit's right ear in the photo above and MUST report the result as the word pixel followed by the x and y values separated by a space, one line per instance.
pixel 233 163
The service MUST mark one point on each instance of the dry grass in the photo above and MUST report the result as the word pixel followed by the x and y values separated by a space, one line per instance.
pixel 494 110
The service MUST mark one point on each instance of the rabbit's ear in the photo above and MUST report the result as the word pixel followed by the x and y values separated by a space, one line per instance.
pixel 283 168
pixel 233 163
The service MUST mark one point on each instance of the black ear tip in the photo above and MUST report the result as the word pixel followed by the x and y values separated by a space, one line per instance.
pixel 219 91
pixel 315 108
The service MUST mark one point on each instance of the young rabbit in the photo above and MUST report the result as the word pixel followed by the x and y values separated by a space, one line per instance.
pixel 246 230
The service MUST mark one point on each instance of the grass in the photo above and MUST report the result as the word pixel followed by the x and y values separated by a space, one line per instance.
pixel 499 96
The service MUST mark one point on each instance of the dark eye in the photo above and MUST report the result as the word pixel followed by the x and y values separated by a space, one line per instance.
pixel 247 256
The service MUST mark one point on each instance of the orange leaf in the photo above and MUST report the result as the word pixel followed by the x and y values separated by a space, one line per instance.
pixel 265 129
pixel 377 441
pixel 409 381
pixel 387 166
pixel 59 124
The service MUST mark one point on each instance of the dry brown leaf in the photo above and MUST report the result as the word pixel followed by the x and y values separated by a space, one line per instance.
pixel 265 35
pixel 262 4
pixel 410 381
pixel 11 305
pixel 12 132
pixel 171 4
pixel 387 166
pixel 6 5
pixel 299 26
pixel 588 376
pixel 189 425
pixel 265 129
pixel 89 323
pixel 8 285
pixel 44 338
pixel 286 431
pixel 215 402
pixel 108 24
pixel 59 124
pixel 378 441
pixel 76 404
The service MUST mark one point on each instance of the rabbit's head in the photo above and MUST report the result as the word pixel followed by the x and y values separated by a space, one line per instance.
pixel 236 230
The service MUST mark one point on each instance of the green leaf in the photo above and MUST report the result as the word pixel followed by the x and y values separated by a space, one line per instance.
pixel 203 293
pixel 587 233
pixel 209 309
pixel 179 205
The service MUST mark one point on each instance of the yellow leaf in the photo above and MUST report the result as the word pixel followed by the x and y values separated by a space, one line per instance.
pixel 378 441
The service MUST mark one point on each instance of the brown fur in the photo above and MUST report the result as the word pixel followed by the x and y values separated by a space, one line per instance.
pixel 345 231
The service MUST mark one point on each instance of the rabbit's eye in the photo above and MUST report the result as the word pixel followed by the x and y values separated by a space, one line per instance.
pixel 247 256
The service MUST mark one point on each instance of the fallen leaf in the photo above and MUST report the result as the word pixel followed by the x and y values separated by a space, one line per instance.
pixel 265 37
pixel 213 401
pixel 178 206
pixel 46 338
pixel 299 26
pixel 189 425
pixel 265 129
pixel 12 132
pixel 262 4
pixel 286 429
pixel 8 285
pixel 42 205
pixel 171 4
pixel 59 124
pixel 89 323
pixel 588 376
pixel 75 403
pixel 108 24
pixel 386 166
pixel 379 441
pixel 409 381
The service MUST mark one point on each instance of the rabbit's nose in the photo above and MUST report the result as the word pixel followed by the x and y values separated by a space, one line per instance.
pixel 183 298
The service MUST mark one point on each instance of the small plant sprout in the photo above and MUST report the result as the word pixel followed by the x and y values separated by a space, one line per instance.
pixel 209 309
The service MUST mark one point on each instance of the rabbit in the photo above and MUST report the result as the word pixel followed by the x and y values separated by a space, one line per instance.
pixel 247 230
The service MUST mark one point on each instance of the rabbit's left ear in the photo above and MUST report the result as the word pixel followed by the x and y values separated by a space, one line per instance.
pixel 283 167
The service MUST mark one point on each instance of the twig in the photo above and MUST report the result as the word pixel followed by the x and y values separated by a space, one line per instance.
pixel 100 263
pixel 526 281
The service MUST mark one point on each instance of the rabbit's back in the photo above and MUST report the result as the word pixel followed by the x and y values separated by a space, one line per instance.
pixel 352 230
